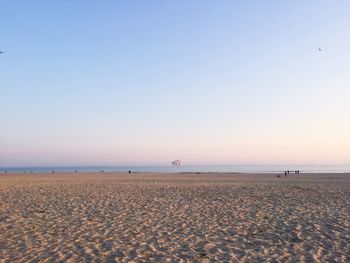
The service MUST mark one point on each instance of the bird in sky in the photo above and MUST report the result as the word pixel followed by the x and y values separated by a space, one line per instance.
pixel 2 52
pixel 319 49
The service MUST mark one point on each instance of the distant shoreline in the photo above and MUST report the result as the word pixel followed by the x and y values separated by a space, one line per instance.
pixel 169 174
pixel 263 169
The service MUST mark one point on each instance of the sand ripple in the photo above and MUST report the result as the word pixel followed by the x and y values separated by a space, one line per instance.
pixel 178 218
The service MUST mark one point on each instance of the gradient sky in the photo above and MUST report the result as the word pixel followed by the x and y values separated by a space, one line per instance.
pixel 147 82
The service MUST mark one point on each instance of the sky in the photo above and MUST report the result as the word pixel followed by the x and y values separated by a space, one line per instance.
pixel 148 82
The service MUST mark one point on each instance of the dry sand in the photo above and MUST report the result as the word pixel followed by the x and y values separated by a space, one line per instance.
pixel 174 218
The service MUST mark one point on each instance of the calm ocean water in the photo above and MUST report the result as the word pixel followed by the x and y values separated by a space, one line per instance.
pixel 187 168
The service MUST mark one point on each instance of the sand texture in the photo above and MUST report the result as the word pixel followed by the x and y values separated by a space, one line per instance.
pixel 174 218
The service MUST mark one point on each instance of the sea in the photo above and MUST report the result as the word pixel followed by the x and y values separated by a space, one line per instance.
pixel 185 168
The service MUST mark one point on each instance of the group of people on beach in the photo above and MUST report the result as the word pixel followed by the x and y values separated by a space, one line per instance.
pixel 288 172
pixel 23 172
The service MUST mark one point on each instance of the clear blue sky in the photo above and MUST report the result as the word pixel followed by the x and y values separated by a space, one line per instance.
pixel 147 82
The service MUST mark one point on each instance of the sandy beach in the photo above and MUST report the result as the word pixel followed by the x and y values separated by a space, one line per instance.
pixel 139 217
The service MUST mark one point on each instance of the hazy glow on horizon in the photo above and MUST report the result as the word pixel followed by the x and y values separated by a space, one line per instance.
pixel 148 82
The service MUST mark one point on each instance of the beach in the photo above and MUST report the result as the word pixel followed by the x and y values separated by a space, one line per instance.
pixel 183 217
